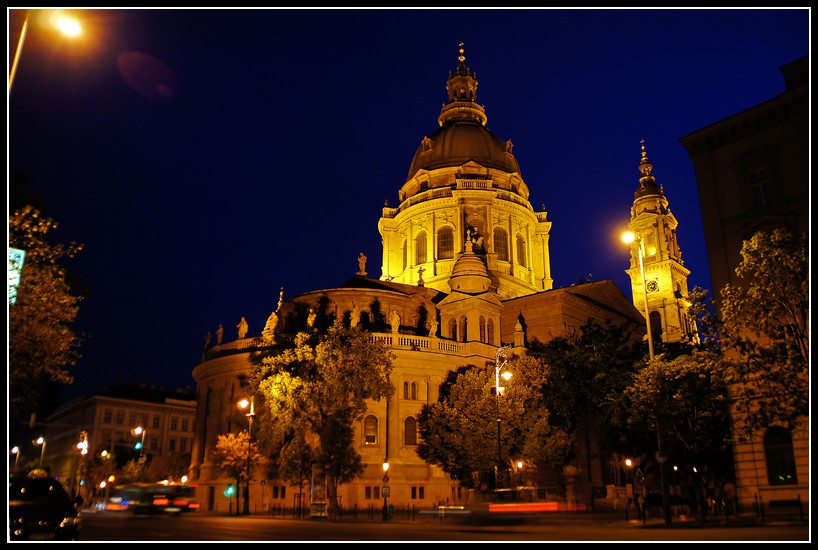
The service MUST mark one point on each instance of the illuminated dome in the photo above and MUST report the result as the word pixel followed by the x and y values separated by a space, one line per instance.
pixel 469 274
pixel 463 136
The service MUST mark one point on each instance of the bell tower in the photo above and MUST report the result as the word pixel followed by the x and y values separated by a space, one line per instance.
pixel 665 288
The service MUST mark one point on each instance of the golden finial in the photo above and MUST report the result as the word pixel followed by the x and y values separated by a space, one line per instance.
pixel 644 153
pixel 462 57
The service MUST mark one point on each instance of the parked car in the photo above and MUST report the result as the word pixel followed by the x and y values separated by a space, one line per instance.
pixel 40 509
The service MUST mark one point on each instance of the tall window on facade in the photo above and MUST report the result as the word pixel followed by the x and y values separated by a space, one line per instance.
pixel 445 243
pixel 453 329
pixel 413 390
pixel 482 329
pixel 780 457
pixel 521 251
pixel 370 430
pixel 464 322
pixel 403 253
pixel 406 390
pixel 490 331
pixel 420 248
pixel 760 187
pixel 410 431
pixel 501 244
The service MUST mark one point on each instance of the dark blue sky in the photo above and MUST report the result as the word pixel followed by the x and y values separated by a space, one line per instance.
pixel 207 158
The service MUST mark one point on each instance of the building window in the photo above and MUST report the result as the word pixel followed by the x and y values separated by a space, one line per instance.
pixel 183 445
pixel 132 419
pixel 403 254
pixel 370 430
pixel 521 252
pixel 406 390
pixel 156 421
pixel 453 329
pixel 184 424
pixel 119 418
pixel 174 422
pixel 760 187
pixel 418 493
pixel 106 418
pixel 420 248
pixel 144 420
pixel 501 244
pixel 368 492
pixel 482 329
pixel 171 445
pixel 780 457
pixel 490 331
pixel 414 387
pixel 154 444
pixel 410 432
pixel 445 243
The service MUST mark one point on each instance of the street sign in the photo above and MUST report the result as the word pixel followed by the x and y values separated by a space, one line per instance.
pixel 386 492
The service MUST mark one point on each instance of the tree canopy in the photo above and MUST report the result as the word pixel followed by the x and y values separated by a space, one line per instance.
pixel 43 346
pixel 765 330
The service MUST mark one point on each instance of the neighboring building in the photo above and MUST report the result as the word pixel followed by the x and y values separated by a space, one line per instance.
pixel 752 171
pixel 465 269
pixel 107 421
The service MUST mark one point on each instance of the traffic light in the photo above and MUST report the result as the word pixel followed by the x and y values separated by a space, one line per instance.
pixel 229 491
pixel 138 446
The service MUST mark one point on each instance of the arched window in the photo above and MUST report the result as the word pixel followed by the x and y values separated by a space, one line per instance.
pixel 501 244
pixel 445 243
pixel 490 332
pixel 482 329
pixel 521 252
pixel 406 390
pixel 780 457
pixel 420 248
pixel 464 322
pixel 370 430
pixel 453 329
pixel 414 387
pixel 410 431
pixel 403 253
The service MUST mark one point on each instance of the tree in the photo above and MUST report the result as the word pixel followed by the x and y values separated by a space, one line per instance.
pixel 684 402
pixel 319 388
pixel 134 470
pixel 765 330
pixel 588 373
pixel 230 457
pixel 459 431
pixel 170 466
pixel 42 344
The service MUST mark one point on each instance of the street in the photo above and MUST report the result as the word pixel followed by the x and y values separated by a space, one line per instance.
pixel 109 526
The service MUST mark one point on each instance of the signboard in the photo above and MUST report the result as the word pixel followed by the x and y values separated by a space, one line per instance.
pixel 17 258
pixel 385 492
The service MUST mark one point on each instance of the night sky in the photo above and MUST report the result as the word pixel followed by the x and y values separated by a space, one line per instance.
pixel 207 158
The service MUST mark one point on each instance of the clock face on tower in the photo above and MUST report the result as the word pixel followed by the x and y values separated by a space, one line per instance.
pixel 653 285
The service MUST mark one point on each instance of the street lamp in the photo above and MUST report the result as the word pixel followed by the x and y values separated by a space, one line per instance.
pixel 385 490
pixel 139 430
pixel 16 452
pixel 66 25
pixel 629 237
pixel 250 415
pixel 41 441
pixel 500 361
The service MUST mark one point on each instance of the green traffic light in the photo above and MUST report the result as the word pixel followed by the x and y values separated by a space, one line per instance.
pixel 138 445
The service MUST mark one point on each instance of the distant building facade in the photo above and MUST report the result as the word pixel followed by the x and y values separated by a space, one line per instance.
pixel 752 171
pixel 107 421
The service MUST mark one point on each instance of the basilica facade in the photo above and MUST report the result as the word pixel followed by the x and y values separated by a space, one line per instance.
pixel 465 269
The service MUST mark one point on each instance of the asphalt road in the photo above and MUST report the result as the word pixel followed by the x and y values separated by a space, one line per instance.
pixel 109 526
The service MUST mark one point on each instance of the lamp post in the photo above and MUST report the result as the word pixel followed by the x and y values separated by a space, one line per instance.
pixel 500 361
pixel 16 452
pixel 65 24
pixel 41 441
pixel 139 430
pixel 629 237
pixel 250 415
pixel 385 490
